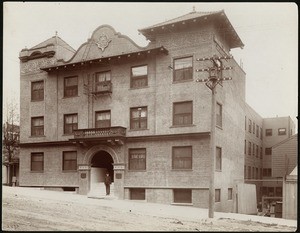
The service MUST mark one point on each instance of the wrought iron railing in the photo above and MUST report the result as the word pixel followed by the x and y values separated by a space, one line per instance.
pixel 116 131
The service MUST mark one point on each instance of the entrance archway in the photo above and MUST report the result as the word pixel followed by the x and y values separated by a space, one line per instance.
pixel 101 163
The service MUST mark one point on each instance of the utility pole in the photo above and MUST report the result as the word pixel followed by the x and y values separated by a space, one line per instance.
pixel 215 77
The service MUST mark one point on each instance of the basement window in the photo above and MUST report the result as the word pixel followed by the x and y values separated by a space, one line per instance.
pixel 137 194
pixel 182 195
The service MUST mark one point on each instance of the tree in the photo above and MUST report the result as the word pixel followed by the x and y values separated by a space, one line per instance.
pixel 11 140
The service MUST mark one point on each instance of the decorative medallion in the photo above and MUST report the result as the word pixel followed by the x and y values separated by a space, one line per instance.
pixel 102 42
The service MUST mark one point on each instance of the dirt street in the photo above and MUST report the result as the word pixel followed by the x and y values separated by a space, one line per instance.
pixel 23 211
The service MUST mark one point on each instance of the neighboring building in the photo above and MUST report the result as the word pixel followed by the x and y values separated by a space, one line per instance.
pixel 10 154
pixel 275 130
pixel 135 112
pixel 253 149
pixel 290 195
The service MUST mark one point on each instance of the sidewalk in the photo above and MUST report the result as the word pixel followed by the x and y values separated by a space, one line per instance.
pixel 152 209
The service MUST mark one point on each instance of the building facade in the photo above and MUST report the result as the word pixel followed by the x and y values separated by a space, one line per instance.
pixel 135 112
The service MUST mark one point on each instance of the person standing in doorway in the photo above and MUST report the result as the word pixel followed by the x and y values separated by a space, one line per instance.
pixel 107 183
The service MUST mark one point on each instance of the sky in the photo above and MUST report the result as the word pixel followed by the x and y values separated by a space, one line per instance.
pixel 269 32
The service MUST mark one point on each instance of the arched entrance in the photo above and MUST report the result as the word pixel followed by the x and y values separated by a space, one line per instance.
pixel 101 163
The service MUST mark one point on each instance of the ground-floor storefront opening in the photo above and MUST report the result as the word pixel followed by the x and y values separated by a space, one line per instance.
pixel 101 163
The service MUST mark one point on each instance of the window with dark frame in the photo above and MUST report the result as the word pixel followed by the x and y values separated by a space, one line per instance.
pixel 261 154
pixel 245 147
pixel 282 131
pixel 70 123
pixel 37 162
pixel 137 159
pixel 183 113
pixel 256 174
pixel 69 161
pixel 182 157
pixel 261 173
pixel 217 195
pixel 37 126
pixel 182 195
pixel 253 172
pixel 102 79
pixel 138 118
pixel 253 149
pixel 218 159
pixel 253 127
pixel 71 86
pixel 250 126
pixel 230 194
pixel 183 69
pixel 37 91
pixel 219 115
pixel 137 194
pixel 267 172
pixel 261 134
pixel 245 123
pixel 102 119
pixel 257 151
pixel 257 131
pixel 249 148
pixel 268 151
pixel 249 172
pixel 268 132
pixel 139 76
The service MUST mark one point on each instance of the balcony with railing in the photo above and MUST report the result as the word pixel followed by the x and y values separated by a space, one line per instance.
pixel 102 87
pixel 113 135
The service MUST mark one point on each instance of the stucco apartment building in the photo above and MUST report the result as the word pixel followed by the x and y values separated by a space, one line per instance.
pixel 135 112
pixel 262 135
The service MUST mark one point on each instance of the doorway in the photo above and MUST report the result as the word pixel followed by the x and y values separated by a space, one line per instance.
pixel 101 163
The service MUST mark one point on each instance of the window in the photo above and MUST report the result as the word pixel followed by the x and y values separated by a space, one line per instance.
pixel 139 76
pixel 217 195
pixel 282 131
pixel 137 194
pixel 253 173
pixel 245 171
pixel 261 173
pixel 253 127
pixel 102 119
pixel 182 157
pixel 257 131
pixel 229 193
pixel 71 86
pixel 183 113
pixel 138 118
pixel 249 172
pixel 268 151
pixel 183 69
pixel 37 91
pixel 245 123
pixel 261 136
pixel 219 115
pixel 37 126
pixel 267 172
pixel 182 195
pixel 256 173
pixel 261 153
pixel 137 159
pixel 70 123
pixel 218 159
pixel 102 81
pixel 257 151
pixel 268 132
pixel 249 148
pixel 37 162
pixel 245 147
pixel 250 125
pixel 278 191
pixel 253 149
pixel 69 160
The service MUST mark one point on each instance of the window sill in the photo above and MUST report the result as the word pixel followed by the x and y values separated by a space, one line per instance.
pixel 132 130
pixel 69 171
pixel 185 170
pixel 68 97
pixel 218 170
pixel 182 81
pixel 34 101
pixel 37 136
pixel 182 204
pixel 36 171
pixel 178 126
pixel 137 88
